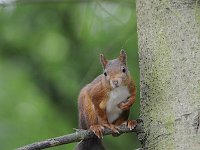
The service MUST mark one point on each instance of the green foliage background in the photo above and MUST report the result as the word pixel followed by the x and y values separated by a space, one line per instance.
pixel 48 52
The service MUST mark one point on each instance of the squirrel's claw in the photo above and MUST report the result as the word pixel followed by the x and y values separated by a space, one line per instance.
pixel 112 127
pixel 131 124
pixel 97 130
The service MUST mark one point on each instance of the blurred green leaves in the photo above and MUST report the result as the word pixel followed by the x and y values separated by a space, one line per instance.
pixel 48 52
pixel 53 49
pixel 26 113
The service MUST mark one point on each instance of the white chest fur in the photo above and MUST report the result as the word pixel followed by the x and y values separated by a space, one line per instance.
pixel 117 96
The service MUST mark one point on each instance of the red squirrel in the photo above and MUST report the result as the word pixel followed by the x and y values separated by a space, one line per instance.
pixel 106 101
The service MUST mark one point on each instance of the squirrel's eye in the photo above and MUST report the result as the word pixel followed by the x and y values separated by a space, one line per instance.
pixel 105 74
pixel 123 69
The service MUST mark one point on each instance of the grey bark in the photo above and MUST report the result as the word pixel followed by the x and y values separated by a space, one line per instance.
pixel 169 51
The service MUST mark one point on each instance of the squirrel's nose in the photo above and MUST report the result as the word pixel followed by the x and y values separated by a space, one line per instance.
pixel 115 82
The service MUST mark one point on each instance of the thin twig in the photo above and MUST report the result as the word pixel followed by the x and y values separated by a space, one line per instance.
pixel 108 12
pixel 27 2
pixel 75 137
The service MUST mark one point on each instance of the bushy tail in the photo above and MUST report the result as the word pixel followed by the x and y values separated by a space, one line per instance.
pixel 90 144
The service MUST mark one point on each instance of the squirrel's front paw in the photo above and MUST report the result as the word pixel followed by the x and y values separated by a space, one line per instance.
pixel 98 130
pixel 124 105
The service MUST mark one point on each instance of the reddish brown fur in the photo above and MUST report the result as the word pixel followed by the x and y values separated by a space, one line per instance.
pixel 90 98
pixel 94 96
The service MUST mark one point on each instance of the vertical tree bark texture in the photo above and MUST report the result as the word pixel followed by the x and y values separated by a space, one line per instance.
pixel 169 51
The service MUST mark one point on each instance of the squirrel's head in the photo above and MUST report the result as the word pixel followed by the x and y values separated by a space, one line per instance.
pixel 115 71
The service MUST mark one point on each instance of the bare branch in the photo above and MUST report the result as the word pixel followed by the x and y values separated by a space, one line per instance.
pixel 75 137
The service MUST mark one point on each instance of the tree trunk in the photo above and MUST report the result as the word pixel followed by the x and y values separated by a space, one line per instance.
pixel 169 51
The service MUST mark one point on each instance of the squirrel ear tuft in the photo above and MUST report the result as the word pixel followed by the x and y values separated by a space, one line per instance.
pixel 103 60
pixel 122 56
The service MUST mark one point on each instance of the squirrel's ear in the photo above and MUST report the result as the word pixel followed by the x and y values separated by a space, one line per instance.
pixel 103 60
pixel 122 56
